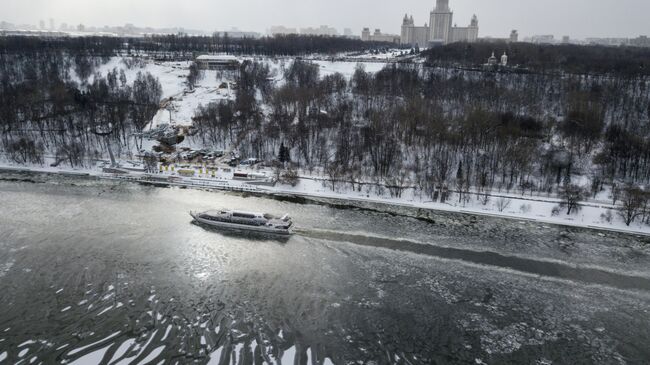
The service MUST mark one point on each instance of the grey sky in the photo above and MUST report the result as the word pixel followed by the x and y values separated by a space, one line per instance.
pixel 578 18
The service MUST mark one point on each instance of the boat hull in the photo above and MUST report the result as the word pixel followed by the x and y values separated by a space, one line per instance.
pixel 240 227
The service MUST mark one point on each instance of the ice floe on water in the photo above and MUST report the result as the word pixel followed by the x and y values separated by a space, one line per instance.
pixel 80 349
pixel 237 353
pixel 28 342
pixel 124 347
pixel 104 310
pixel 169 328
pixel 358 303
pixel 152 355
pixel 139 348
pixel 94 357
pixel 215 357
pixel 288 356
pixel 202 275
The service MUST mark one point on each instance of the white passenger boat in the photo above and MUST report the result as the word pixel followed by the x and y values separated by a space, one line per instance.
pixel 234 219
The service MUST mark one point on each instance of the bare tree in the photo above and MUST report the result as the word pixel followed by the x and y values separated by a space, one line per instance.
pixel 571 196
pixel 25 150
pixel 397 185
pixel 150 162
pixel 194 76
pixel 503 204
pixel 334 173
pixel 290 177
pixel 633 203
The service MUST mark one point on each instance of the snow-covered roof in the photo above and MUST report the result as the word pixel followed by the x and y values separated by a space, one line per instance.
pixel 216 58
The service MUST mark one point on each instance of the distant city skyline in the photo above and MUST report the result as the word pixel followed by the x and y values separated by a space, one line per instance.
pixel 624 18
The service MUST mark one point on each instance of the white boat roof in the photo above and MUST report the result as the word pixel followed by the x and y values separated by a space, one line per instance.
pixel 218 211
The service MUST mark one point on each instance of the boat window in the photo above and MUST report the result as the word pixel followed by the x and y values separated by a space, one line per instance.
pixel 242 215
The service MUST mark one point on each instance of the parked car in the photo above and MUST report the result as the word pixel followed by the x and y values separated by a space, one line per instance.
pixel 211 154
pixel 250 162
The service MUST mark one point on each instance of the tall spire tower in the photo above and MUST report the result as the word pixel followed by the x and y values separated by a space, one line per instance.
pixel 441 21
pixel 442 6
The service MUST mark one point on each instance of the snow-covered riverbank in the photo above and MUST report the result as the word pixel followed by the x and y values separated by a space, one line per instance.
pixel 529 208
pixel 180 105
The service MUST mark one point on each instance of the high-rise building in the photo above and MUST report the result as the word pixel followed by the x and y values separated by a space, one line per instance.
pixel 465 34
pixel 641 41
pixel 514 36
pixel 414 35
pixel 280 29
pixel 440 23
pixel 322 30
pixel 378 36
pixel 365 34
pixel 439 30
pixel 543 39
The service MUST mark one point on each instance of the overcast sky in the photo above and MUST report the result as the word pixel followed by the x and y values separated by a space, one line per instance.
pixel 577 18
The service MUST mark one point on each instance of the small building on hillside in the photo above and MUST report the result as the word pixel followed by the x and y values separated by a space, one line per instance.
pixel 218 62
pixel 492 61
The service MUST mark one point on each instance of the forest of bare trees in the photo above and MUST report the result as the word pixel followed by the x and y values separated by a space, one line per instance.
pixel 184 46
pixel 500 130
pixel 54 102
pixel 540 58
pixel 437 129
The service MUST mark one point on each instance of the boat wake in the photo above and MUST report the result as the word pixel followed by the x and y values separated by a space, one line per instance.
pixel 553 269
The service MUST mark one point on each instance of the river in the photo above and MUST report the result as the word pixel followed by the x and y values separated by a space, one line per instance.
pixel 96 271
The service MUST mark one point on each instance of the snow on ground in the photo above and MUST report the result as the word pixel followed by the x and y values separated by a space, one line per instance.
pixel 347 67
pixel 384 55
pixel 172 75
pixel 182 106
pixel 183 103
pixel 535 208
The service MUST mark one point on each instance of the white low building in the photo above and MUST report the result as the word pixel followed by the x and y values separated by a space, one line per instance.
pixel 217 62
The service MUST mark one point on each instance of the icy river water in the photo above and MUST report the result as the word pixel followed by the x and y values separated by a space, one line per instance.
pixel 116 273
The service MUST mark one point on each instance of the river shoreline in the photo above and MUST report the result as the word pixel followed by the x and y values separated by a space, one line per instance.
pixel 412 210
